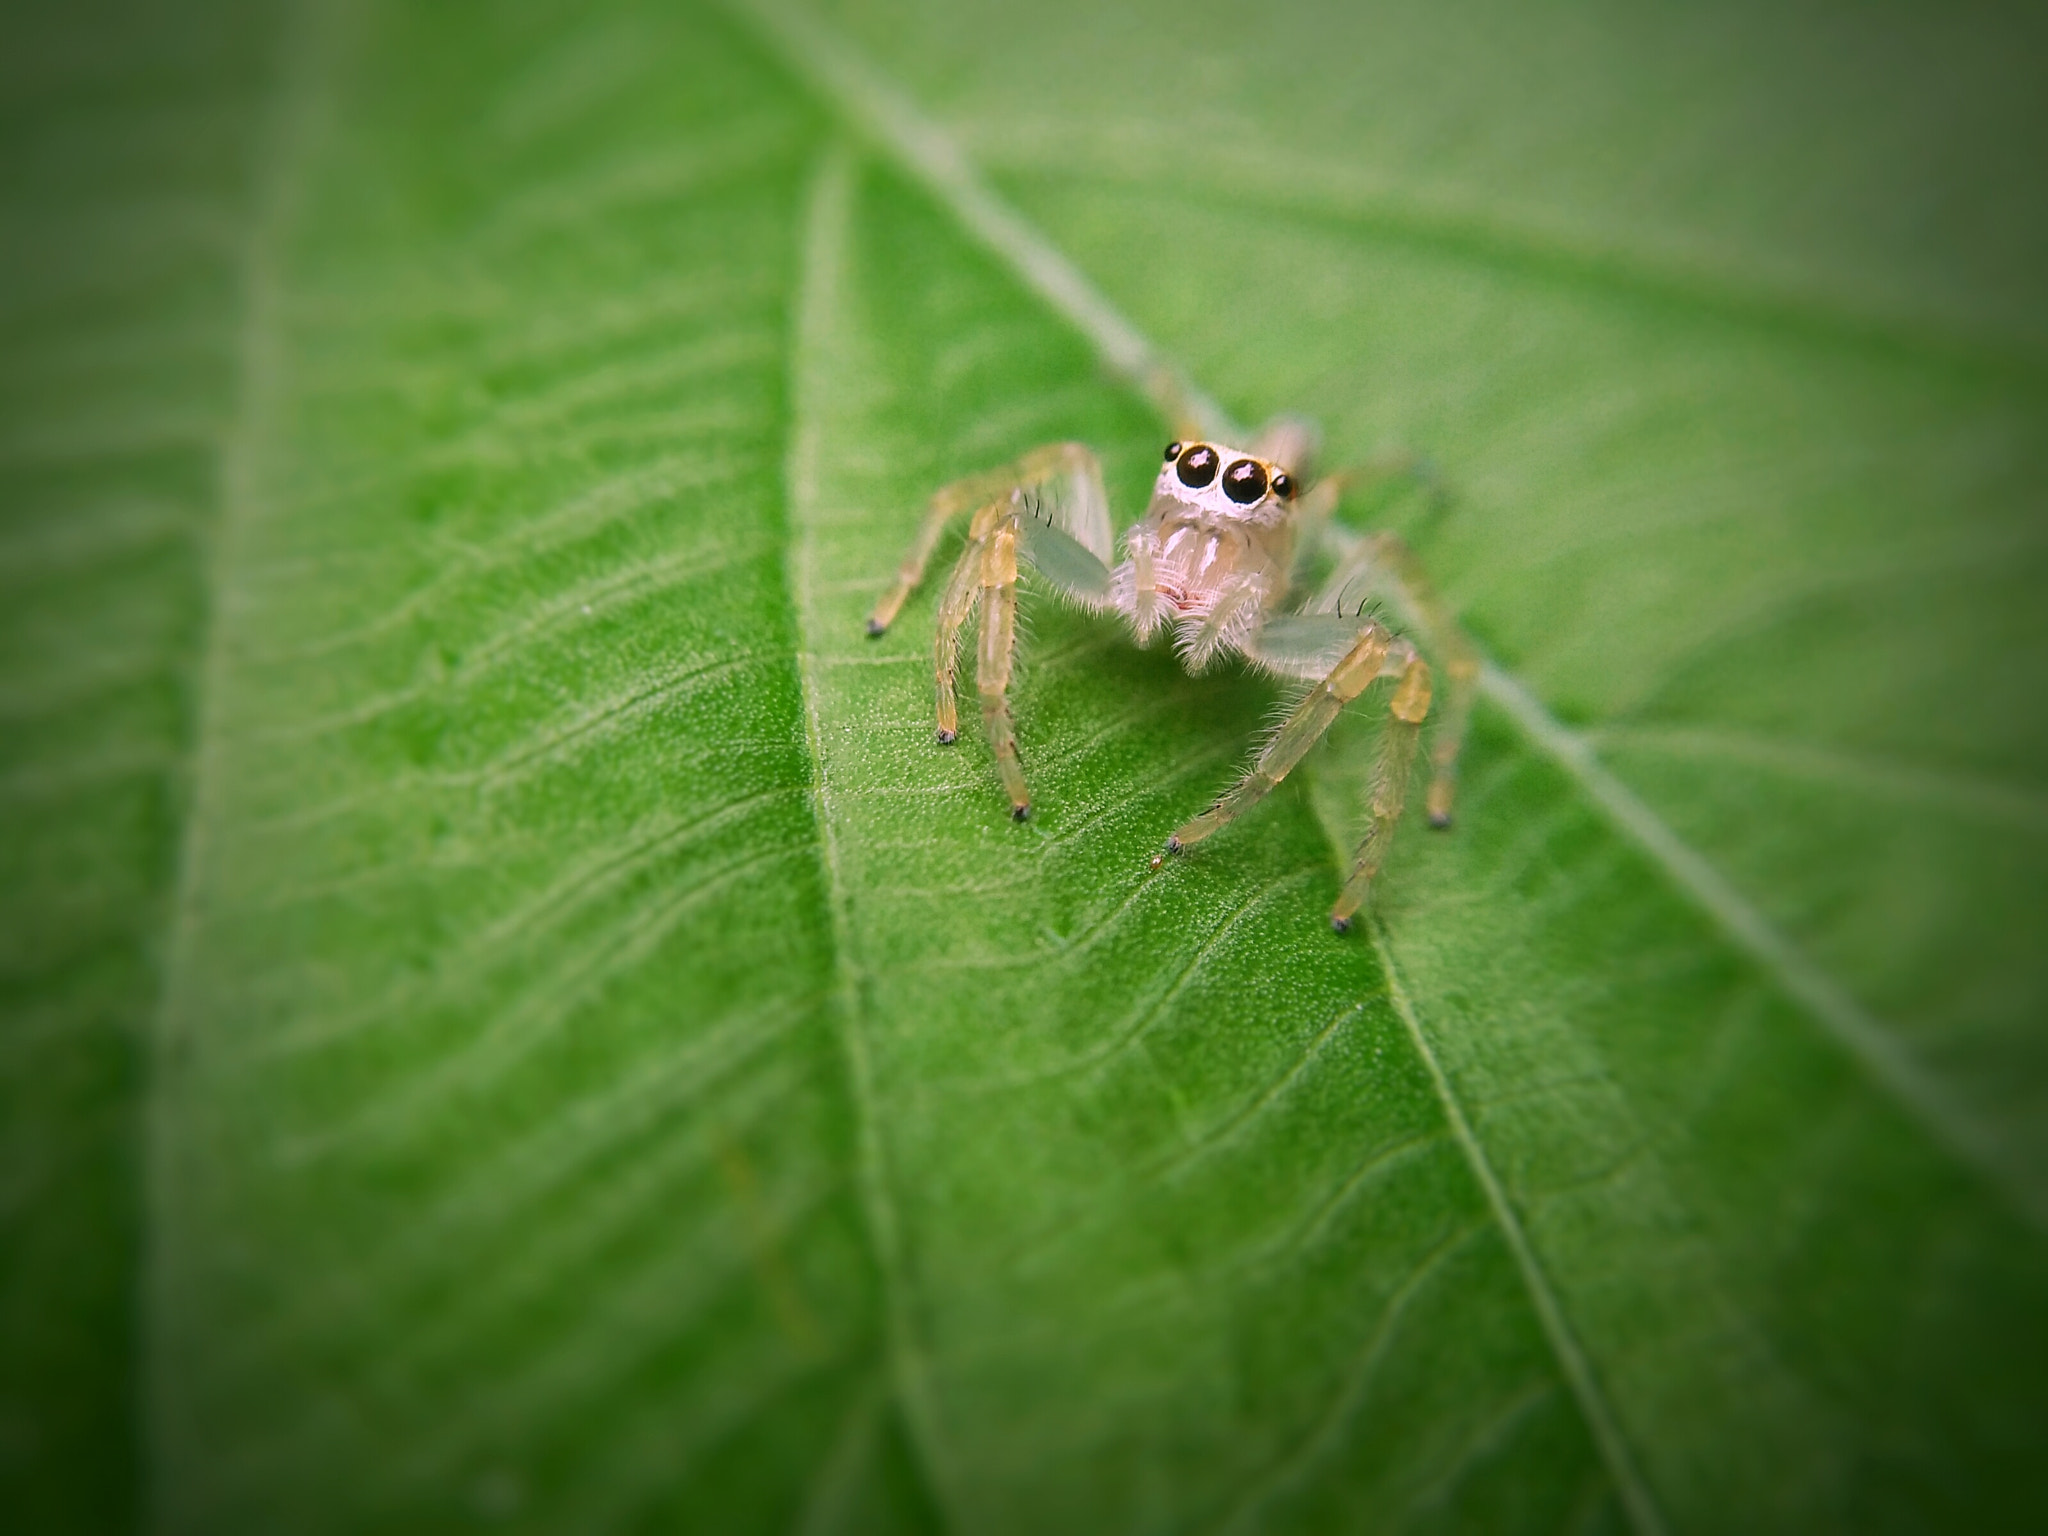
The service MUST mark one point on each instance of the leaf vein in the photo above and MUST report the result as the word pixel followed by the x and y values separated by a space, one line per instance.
pixel 1636 1497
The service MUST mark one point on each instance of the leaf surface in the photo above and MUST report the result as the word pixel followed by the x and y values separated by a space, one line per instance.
pixel 610 1068
pixel 123 188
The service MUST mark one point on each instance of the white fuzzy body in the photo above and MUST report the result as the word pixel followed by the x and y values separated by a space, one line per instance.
pixel 1204 565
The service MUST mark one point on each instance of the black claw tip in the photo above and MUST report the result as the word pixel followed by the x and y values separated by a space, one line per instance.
pixel 947 738
pixel 877 629
pixel 1440 819
pixel 1020 813
pixel 1341 924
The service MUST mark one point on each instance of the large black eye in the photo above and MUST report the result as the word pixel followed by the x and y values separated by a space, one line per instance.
pixel 1172 452
pixel 1283 486
pixel 1244 482
pixel 1197 466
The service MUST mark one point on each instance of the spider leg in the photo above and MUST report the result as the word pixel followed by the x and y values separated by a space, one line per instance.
pixel 1084 508
pixel 985 577
pixel 943 508
pixel 963 592
pixel 1374 560
pixel 1229 624
pixel 1064 532
pixel 1405 714
pixel 1375 653
pixel 998 551
pixel 1145 616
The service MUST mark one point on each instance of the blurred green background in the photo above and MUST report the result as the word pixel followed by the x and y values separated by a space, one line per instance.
pixel 509 1022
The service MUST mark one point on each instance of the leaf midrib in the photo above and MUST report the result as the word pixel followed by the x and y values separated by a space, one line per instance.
pixel 307 39
pixel 1557 1329
pixel 819 271
pixel 1608 265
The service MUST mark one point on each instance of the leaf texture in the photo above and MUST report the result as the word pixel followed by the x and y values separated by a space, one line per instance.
pixel 123 187
pixel 607 1068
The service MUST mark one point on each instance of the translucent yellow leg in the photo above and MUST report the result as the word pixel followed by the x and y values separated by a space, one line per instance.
pixel 1387 553
pixel 963 591
pixel 985 577
pixel 998 649
pixel 1405 714
pixel 1302 730
pixel 973 494
pixel 1375 654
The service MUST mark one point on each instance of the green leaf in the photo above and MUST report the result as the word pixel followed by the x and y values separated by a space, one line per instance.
pixel 498 966
pixel 123 190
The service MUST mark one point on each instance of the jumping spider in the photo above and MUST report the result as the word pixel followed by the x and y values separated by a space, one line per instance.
pixel 1225 538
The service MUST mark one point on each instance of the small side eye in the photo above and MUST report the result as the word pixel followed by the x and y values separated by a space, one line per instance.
pixel 1244 482
pixel 1197 466
pixel 1284 486
pixel 1172 452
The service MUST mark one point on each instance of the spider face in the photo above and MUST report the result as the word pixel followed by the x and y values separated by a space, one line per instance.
pixel 1224 483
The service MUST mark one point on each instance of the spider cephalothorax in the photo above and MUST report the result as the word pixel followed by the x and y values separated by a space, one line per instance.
pixel 1213 560
pixel 1212 550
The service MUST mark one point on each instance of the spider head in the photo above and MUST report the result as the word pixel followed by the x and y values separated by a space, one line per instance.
pixel 1225 482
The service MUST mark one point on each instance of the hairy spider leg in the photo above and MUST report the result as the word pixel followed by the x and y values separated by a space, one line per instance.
pixel 974 492
pixel 956 606
pixel 1232 619
pixel 998 651
pixel 1144 583
pixel 1070 544
pixel 1382 554
pixel 986 578
pixel 1375 654
pixel 1405 714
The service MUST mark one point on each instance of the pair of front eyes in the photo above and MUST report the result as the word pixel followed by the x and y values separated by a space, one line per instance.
pixel 1244 482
